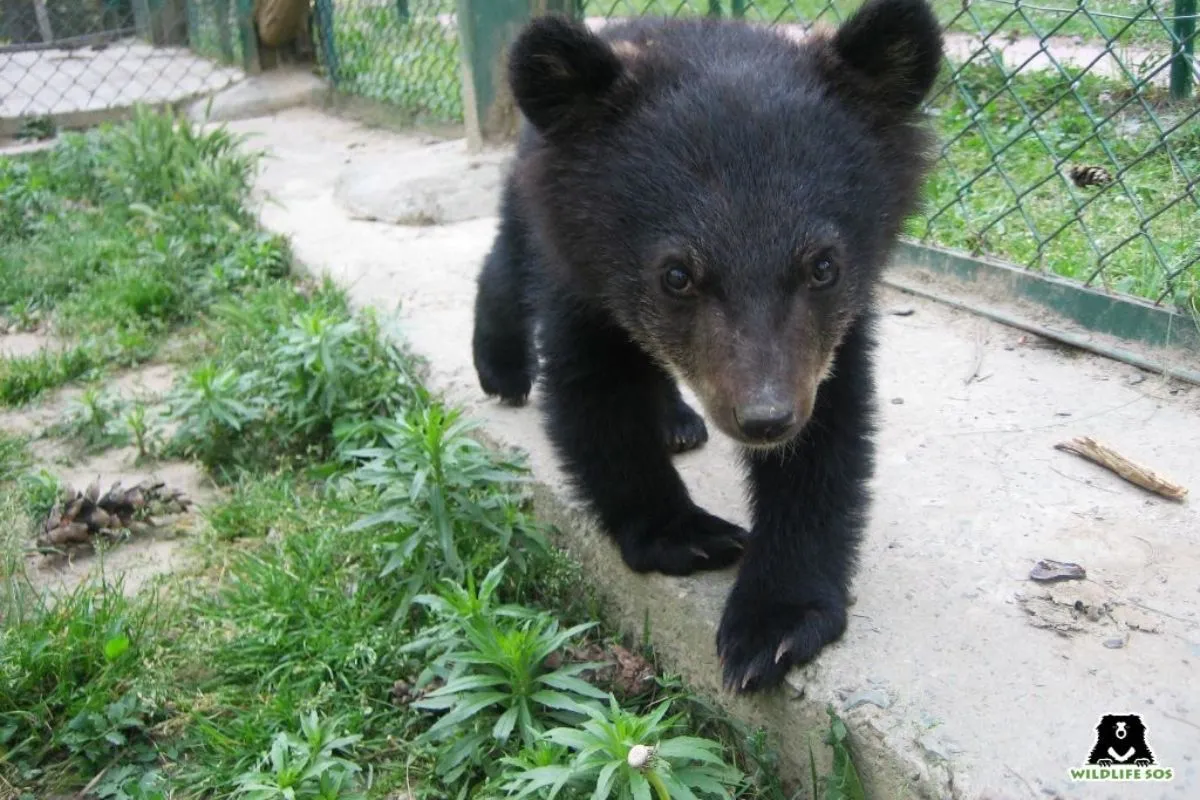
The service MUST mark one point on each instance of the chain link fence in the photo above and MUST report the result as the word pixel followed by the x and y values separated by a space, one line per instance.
pixel 1070 132
pixel 403 52
pixel 77 58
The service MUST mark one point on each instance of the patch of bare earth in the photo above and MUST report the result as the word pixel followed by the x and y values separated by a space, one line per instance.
pixel 151 551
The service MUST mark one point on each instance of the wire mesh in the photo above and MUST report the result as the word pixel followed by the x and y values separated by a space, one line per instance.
pixel 402 52
pixel 1070 135
pixel 67 57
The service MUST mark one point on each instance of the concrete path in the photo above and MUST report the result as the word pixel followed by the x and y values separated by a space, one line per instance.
pixel 959 676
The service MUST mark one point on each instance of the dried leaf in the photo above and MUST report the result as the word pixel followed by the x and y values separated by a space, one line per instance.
pixel 1048 570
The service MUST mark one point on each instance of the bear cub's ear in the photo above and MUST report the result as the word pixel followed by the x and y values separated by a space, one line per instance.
pixel 561 74
pixel 893 48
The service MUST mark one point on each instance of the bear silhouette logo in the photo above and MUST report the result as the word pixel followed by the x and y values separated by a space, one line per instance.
pixel 1121 741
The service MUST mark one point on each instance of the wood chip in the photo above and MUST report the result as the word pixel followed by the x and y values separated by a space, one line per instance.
pixel 1088 448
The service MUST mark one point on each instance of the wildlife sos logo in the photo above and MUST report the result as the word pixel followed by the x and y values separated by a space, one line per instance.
pixel 1121 753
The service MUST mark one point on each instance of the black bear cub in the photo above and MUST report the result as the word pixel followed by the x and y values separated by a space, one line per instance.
pixel 710 201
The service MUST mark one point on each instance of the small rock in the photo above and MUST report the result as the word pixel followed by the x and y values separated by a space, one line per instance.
pixel 939 748
pixel 903 312
pixel 876 697
pixel 897 401
pixel 1115 643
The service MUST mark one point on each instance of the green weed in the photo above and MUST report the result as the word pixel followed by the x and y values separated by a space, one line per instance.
pixel 141 425
pixel 305 767
pixel 619 753
pixel 94 419
pixel 438 486
pixel 496 681
pixel 843 782
pixel 284 381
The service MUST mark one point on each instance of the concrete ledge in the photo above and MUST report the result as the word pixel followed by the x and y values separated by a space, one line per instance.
pixel 959 676
pixel 261 94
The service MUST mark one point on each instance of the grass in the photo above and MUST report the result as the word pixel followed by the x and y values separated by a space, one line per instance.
pixel 997 191
pixel 1108 20
pixel 115 238
pixel 412 64
pixel 374 609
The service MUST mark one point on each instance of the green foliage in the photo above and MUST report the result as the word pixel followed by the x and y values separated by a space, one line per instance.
pixel 438 486
pixel 305 767
pixel 141 426
pixel 24 378
pixel 117 235
pixel 68 666
pixel 213 406
pixel 96 736
pixel 284 382
pixel 603 759
pixel 95 419
pixel 497 682
pixel 14 456
pixel 843 782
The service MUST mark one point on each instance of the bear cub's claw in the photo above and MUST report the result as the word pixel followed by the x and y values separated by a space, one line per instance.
pixel 511 384
pixel 694 541
pixel 685 429
pixel 761 638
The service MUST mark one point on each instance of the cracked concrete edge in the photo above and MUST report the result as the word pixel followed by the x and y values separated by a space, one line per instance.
pixel 261 95
pixel 890 766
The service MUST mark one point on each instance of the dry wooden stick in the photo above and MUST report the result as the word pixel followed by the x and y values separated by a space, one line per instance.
pixel 1089 448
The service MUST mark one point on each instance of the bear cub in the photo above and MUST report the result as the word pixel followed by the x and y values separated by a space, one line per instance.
pixel 711 202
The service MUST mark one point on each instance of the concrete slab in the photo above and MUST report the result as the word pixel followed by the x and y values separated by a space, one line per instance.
pixel 264 93
pixel 80 83
pixel 958 677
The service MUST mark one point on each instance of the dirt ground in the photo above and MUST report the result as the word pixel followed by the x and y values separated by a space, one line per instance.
pixel 138 559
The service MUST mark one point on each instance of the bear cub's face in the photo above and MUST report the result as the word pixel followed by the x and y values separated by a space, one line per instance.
pixel 726 195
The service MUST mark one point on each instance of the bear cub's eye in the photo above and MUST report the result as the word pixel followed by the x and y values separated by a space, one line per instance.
pixel 677 279
pixel 824 274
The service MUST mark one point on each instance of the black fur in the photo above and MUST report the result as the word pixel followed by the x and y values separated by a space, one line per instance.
pixel 759 167
pixel 1125 735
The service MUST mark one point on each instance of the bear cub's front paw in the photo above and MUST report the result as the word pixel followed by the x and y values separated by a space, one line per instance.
pixel 764 634
pixel 694 540
pixel 685 429
pixel 509 375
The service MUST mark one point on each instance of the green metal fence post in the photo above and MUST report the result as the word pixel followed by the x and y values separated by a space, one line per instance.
pixel 737 8
pixel 486 28
pixel 714 8
pixel 161 22
pixel 1182 62
pixel 324 12
pixel 402 10
pixel 248 36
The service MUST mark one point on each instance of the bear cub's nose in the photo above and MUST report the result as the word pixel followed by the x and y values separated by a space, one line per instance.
pixel 764 421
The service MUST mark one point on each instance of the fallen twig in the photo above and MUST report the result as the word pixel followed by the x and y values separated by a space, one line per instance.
pixel 1146 478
